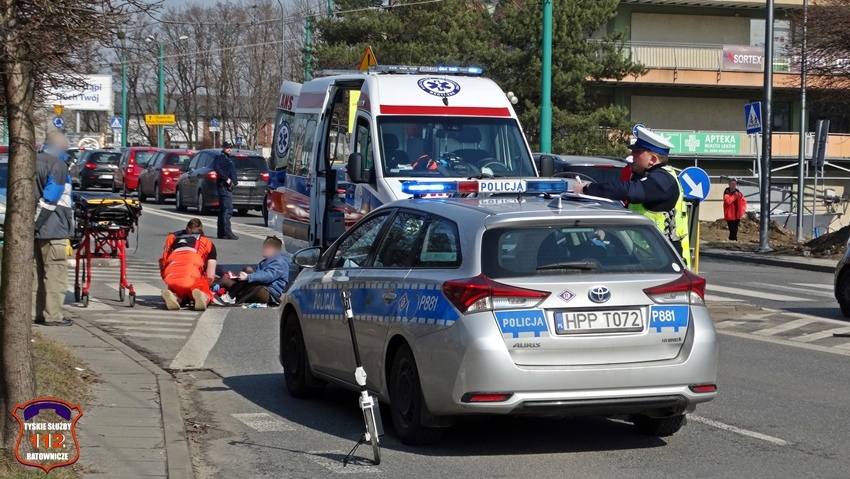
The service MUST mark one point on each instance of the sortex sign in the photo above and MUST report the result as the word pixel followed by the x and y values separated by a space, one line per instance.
pixel 743 58
pixel 704 144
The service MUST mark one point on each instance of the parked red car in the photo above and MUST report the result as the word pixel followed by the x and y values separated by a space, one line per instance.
pixel 133 161
pixel 159 179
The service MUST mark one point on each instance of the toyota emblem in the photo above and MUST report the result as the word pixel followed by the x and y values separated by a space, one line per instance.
pixel 599 294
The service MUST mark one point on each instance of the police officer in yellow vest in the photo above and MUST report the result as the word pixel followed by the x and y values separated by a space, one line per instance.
pixel 654 189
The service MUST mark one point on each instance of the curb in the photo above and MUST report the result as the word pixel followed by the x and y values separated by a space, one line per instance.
pixel 178 460
pixel 767 260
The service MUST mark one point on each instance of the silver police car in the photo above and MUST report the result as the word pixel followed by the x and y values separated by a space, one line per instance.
pixel 517 304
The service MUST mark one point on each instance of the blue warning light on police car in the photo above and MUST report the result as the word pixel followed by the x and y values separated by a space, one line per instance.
pixel 416 188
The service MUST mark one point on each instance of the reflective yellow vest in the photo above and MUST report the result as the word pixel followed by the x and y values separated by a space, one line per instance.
pixel 674 224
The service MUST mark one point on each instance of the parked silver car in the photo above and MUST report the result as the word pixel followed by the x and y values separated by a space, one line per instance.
pixel 505 304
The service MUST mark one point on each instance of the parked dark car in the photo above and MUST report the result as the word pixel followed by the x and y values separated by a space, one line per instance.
pixel 133 161
pixel 159 179
pixel 94 168
pixel 197 186
pixel 587 168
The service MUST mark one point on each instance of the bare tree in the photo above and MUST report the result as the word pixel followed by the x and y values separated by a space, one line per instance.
pixel 828 52
pixel 40 38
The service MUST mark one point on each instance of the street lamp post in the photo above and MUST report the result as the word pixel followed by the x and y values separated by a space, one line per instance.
pixel 767 131
pixel 282 37
pixel 546 87
pixel 161 79
pixel 801 157
pixel 124 125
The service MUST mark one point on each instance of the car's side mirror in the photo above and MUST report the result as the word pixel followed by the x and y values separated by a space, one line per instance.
pixel 307 257
pixel 356 173
pixel 547 166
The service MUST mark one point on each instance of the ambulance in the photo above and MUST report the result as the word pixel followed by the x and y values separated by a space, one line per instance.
pixel 356 137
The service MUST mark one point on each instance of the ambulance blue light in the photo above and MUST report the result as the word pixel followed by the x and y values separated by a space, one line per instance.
pixel 440 69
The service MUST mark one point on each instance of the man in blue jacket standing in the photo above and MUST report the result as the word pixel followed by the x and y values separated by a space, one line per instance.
pixel 264 283
pixel 54 224
pixel 225 172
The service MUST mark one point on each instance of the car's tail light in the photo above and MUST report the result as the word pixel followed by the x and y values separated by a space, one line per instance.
pixel 704 388
pixel 480 293
pixel 240 155
pixel 486 397
pixel 170 170
pixel 212 175
pixel 264 176
pixel 91 166
pixel 687 289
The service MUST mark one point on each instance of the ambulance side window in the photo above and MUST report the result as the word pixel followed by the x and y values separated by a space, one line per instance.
pixel 363 143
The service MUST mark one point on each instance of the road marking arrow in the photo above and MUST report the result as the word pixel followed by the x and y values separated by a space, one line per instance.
pixel 696 188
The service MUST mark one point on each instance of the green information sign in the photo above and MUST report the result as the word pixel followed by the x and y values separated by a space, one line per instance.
pixel 716 143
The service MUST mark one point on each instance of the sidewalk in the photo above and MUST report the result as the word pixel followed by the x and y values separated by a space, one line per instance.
pixel 133 427
pixel 818 265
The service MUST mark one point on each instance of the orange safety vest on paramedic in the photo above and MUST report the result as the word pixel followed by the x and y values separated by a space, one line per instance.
pixel 186 254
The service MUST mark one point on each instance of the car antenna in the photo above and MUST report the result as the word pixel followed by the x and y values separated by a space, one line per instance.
pixel 556 203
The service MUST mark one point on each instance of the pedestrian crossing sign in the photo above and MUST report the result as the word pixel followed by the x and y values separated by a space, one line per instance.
pixel 115 123
pixel 752 117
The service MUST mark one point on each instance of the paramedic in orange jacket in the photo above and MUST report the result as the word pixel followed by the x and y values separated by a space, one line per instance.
pixel 188 267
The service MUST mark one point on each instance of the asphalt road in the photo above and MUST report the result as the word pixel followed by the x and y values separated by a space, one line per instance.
pixel 782 409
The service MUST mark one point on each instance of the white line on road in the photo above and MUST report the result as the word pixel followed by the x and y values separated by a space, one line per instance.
pixel 820 335
pixel 194 352
pixel 722 299
pixel 155 335
pixel 332 461
pixel 262 422
pixel 797 323
pixel 174 329
pixel 133 322
pixel 134 314
pixel 827 287
pixel 818 293
pixel 738 430
pixel 785 342
pixel 178 216
pixel 739 291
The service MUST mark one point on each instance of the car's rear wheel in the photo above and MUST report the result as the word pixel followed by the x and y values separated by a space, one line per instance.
pixel 659 426
pixel 242 211
pixel 157 195
pixel 265 210
pixel 114 187
pixel 406 401
pixel 293 352
pixel 82 186
pixel 842 293
pixel 179 201
pixel 203 208
pixel 142 195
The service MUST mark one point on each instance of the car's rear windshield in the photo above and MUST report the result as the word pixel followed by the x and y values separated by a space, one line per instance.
pixel 104 158
pixel 178 160
pixel 573 250
pixel 250 163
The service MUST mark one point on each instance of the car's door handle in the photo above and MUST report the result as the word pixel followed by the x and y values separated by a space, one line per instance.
pixel 389 297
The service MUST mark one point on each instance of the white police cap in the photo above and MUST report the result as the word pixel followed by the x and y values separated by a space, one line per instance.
pixel 647 140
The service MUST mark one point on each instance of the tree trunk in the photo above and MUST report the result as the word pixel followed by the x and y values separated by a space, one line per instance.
pixel 18 376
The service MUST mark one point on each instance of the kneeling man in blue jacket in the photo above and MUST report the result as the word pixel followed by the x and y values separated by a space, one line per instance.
pixel 264 283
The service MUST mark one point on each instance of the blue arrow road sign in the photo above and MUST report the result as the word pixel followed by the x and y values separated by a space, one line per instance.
pixel 695 183
pixel 214 123
pixel 115 123
pixel 752 117
pixel 58 122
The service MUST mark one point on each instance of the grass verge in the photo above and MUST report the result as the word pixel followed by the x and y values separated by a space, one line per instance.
pixel 58 374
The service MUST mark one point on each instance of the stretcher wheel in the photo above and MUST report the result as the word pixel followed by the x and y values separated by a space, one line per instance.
pixel 121 294
pixel 85 300
pixel 132 299
pixel 76 294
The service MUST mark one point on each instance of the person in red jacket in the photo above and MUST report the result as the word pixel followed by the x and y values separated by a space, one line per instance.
pixel 734 208
pixel 188 267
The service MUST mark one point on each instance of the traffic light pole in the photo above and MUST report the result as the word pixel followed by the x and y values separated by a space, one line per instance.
pixel 546 87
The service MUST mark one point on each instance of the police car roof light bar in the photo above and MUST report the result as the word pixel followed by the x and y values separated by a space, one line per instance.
pixel 447 187
pixel 439 69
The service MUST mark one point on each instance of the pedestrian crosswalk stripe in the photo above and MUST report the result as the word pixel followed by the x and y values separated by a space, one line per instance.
pixel 818 293
pixel 150 323
pixel 737 291
pixel 141 289
pixel 827 287
pixel 183 315
pixel 798 323
pixel 714 297
pixel 820 335
pixel 156 336
pixel 843 346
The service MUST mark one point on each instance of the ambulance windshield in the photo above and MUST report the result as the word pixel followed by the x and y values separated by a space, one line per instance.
pixel 453 147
